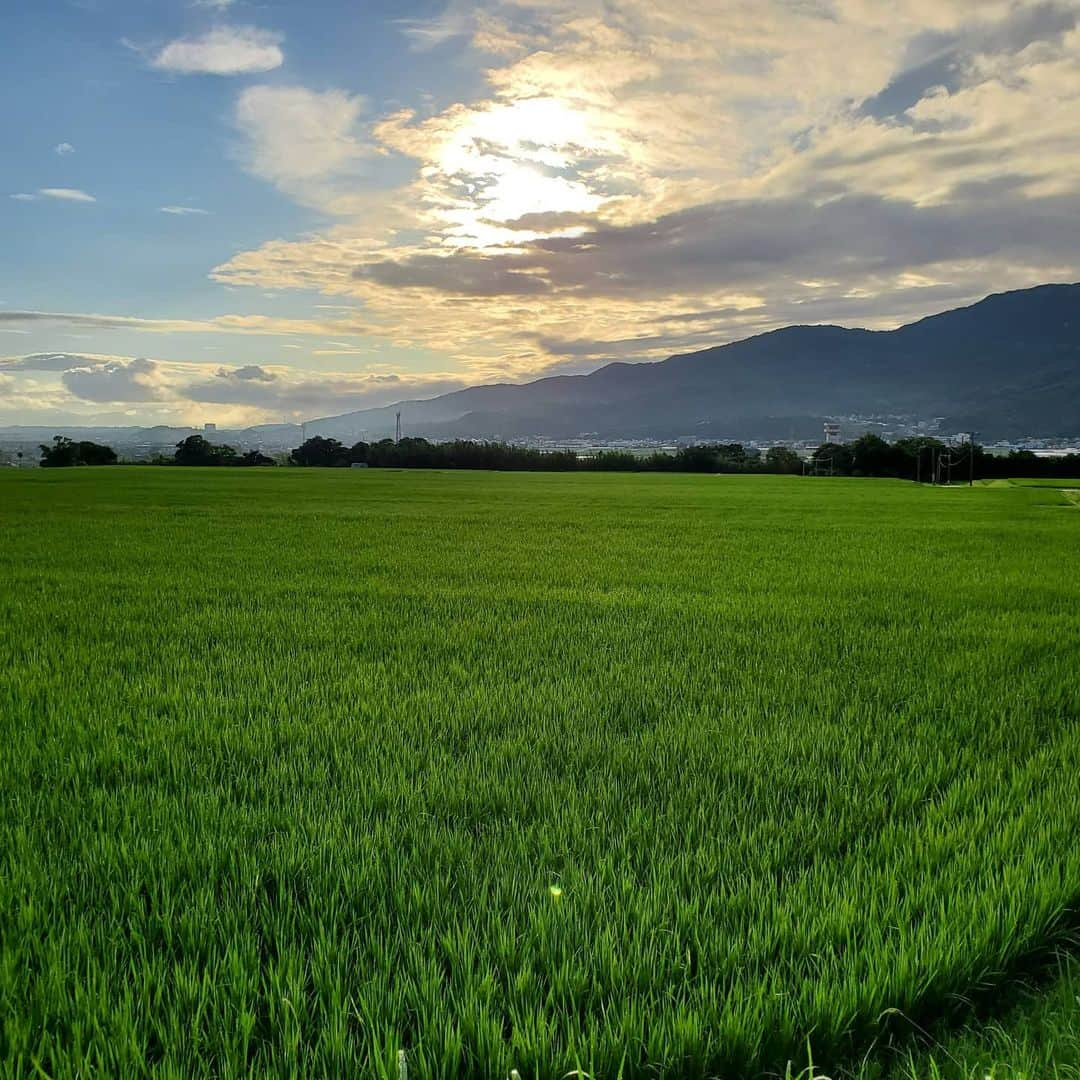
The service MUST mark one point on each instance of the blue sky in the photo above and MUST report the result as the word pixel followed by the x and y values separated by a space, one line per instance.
pixel 243 211
pixel 105 122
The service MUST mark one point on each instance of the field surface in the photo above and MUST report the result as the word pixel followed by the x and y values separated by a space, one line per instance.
pixel 644 775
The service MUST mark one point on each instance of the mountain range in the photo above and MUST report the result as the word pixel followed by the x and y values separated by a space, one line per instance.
pixel 1006 367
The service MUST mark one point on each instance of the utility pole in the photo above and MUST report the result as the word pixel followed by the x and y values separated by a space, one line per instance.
pixel 971 459
pixel 397 429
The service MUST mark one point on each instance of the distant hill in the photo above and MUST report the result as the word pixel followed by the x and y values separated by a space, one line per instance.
pixel 1007 366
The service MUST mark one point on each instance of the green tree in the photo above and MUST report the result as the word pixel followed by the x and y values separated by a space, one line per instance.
pixel 614 461
pixel 195 450
pixel 916 453
pixel 782 459
pixel 254 457
pixel 65 453
pixel 696 459
pixel 320 452
pixel 91 453
pixel 410 453
pixel 832 459
pixel 734 457
pixel 871 455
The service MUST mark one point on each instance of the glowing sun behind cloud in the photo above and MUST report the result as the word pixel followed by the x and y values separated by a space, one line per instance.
pixel 497 164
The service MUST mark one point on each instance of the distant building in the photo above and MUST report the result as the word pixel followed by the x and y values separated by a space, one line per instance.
pixel 210 427
pixel 832 433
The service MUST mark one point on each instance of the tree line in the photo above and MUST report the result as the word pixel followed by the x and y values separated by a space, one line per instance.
pixel 931 460
pixel 417 453
pixel 194 450
pixel 915 458
pixel 919 458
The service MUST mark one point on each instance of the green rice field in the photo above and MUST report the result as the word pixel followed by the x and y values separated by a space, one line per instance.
pixel 441 775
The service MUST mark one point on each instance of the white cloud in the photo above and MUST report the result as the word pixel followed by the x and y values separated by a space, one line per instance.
pixel 66 194
pixel 182 211
pixel 23 196
pixel 64 149
pixel 214 5
pixel 224 50
pixel 300 139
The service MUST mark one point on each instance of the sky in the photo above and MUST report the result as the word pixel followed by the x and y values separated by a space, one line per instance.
pixel 249 211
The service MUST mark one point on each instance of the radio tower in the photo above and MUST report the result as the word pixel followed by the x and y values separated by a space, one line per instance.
pixel 397 429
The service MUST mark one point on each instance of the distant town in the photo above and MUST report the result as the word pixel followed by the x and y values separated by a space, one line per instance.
pixel 21 446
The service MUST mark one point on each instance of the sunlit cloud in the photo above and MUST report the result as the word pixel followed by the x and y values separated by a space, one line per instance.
pixel 305 142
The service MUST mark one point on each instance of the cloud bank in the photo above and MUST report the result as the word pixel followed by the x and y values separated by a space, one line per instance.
pixel 87 384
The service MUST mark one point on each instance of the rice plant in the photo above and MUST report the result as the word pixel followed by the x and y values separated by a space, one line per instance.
pixel 447 775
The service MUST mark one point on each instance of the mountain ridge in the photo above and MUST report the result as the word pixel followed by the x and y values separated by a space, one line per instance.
pixel 1000 365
